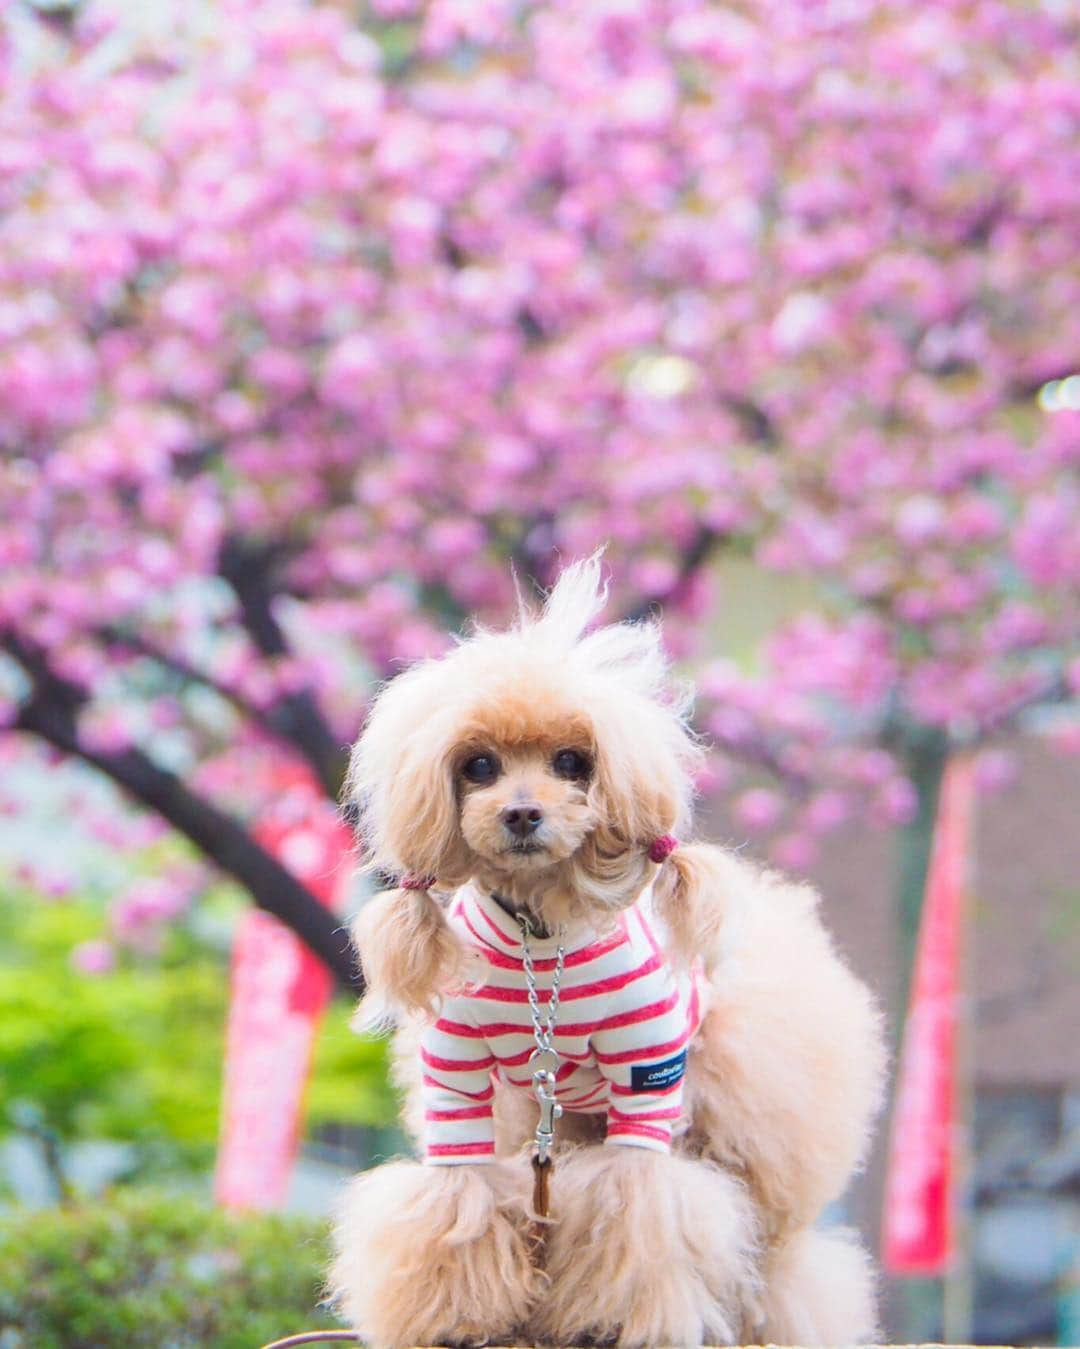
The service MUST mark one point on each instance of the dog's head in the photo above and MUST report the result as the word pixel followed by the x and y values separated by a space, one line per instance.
pixel 547 757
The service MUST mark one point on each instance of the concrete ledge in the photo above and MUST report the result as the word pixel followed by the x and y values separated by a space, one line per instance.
pixel 347 1337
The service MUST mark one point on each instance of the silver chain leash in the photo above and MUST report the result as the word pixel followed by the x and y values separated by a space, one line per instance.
pixel 544 1060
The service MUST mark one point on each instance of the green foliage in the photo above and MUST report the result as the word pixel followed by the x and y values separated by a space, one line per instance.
pixel 136 1054
pixel 349 1082
pixel 152 1271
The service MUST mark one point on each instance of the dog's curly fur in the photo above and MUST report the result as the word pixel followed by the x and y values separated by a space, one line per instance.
pixel 783 1077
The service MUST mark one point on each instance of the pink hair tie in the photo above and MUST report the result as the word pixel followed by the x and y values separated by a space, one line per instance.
pixel 660 849
pixel 411 881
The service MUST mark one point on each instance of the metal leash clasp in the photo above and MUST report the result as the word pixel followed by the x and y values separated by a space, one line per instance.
pixel 550 1111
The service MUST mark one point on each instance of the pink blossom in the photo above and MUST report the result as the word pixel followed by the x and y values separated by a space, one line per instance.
pixel 1066 737
pixel 93 957
pixel 827 811
pixel 995 769
pixel 713 776
pixel 897 801
pixel 579 274
pixel 796 851
pixel 350 370
pixel 105 730
pixel 759 808
pixel 138 915
pixel 919 519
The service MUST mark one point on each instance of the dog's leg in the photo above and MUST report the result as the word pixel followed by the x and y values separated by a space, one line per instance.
pixel 819 1290
pixel 434 1255
pixel 645 1249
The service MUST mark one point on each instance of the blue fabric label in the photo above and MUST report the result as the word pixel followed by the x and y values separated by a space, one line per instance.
pixel 657 1076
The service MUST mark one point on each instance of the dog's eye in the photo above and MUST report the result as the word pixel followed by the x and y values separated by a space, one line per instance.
pixel 569 763
pixel 480 768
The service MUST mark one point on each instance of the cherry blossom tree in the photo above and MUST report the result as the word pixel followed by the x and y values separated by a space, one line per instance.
pixel 314 328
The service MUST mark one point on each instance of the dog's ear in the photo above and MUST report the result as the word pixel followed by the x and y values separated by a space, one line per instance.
pixel 642 784
pixel 401 779
pixel 420 823
pixel 408 952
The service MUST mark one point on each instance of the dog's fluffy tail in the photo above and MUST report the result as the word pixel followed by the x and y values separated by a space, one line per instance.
pixel 819 1289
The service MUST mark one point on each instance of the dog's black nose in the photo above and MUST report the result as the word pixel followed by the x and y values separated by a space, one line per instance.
pixel 522 820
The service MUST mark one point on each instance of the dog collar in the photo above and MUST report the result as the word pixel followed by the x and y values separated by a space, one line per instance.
pixel 538 930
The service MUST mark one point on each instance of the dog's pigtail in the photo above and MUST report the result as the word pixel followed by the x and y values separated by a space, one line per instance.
pixel 408 952
pixel 688 896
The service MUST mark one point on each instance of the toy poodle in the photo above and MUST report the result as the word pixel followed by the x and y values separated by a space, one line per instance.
pixel 555 960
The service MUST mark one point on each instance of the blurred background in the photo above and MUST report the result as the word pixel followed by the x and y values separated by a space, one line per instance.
pixel 319 321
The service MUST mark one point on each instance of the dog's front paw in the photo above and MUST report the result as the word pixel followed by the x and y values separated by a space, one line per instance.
pixel 646 1249
pixel 434 1255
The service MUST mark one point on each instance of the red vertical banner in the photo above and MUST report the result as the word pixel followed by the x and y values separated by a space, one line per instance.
pixel 278 992
pixel 918 1233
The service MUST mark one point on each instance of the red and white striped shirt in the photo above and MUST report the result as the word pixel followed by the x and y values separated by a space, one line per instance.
pixel 625 1020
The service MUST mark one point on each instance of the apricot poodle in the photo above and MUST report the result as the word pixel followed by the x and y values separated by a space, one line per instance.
pixel 717 1064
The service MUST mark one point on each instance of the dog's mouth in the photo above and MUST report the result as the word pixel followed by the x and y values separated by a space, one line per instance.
pixel 525 853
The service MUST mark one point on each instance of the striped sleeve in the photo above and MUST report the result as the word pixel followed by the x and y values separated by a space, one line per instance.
pixel 643 1057
pixel 457 1090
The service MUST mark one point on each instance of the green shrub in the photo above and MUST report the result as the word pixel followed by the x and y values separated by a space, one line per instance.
pixel 136 1055
pixel 145 1270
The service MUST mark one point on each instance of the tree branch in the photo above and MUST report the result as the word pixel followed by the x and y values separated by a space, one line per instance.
pixel 141 645
pixel 1055 690
pixel 52 713
pixel 903 736
pixel 691 561
pixel 276 720
pixel 297 715
pixel 756 423
pixel 758 754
